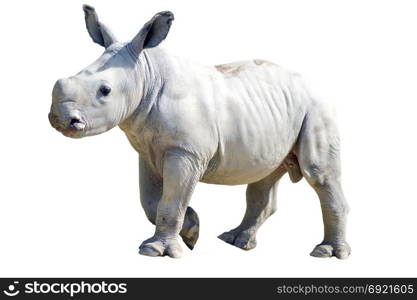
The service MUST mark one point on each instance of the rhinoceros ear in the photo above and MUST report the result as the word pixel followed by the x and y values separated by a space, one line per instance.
pixel 153 32
pixel 97 30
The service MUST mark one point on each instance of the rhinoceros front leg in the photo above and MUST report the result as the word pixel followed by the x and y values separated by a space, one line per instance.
pixel 150 186
pixel 260 204
pixel 180 175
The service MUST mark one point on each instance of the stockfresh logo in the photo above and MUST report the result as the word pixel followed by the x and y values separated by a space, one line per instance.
pixel 65 288
pixel 12 290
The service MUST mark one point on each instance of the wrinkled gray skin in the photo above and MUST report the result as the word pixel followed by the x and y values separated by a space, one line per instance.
pixel 240 123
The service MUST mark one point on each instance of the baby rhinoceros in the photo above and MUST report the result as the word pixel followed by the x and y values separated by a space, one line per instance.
pixel 246 122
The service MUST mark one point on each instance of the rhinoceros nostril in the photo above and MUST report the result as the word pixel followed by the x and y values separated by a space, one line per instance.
pixel 73 121
pixel 76 124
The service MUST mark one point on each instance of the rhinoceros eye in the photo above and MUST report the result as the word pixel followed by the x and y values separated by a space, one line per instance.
pixel 105 90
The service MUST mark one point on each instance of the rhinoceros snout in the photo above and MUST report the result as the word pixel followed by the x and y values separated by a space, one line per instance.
pixel 54 121
pixel 71 125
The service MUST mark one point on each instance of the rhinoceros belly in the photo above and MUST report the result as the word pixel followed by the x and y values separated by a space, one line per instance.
pixel 259 119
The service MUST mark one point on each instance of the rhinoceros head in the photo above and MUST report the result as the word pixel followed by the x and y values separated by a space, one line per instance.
pixel 106 92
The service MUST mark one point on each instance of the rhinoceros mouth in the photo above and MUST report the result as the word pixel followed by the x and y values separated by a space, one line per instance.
pixel 74 128
pixel 72 134
pixel 53 120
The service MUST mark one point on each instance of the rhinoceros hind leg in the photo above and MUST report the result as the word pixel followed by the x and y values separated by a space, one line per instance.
pixel 319 159
pixel 260 204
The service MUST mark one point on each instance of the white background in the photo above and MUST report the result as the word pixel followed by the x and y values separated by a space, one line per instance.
pixel 71 207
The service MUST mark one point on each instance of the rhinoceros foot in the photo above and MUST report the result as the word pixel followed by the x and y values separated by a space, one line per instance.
pixel 156 246
pixel 340 250
pixel 190 229
pixel 242 239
